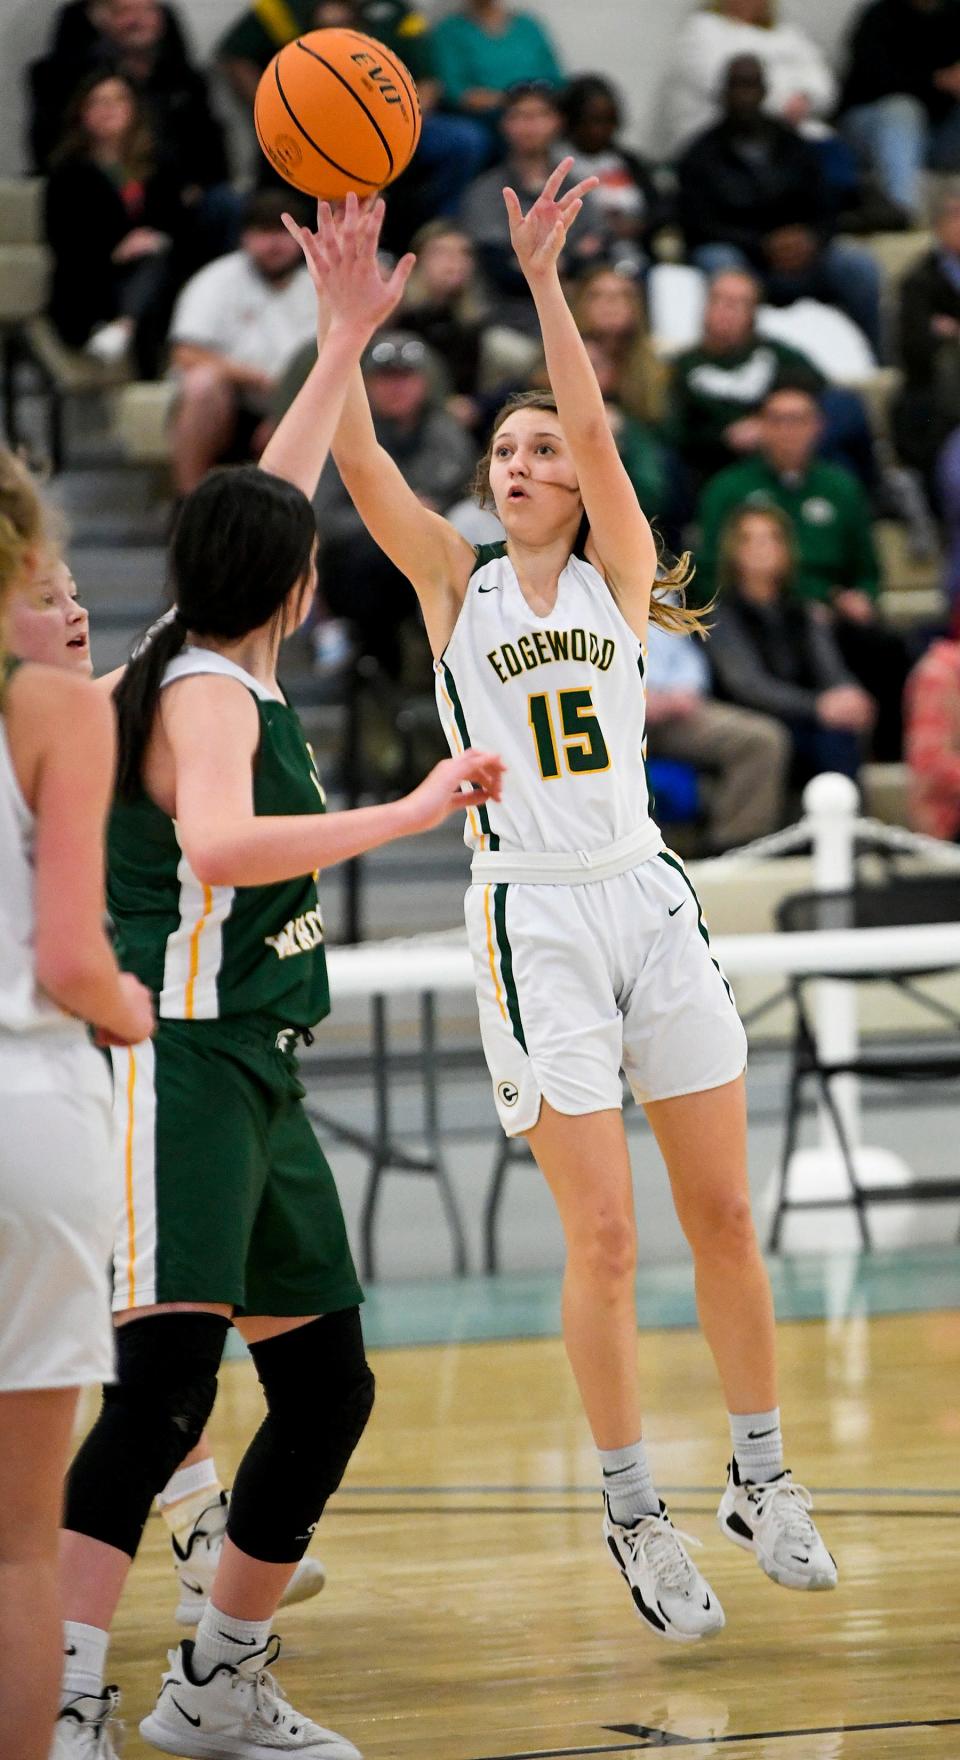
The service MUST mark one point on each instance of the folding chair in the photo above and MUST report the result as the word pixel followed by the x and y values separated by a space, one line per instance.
pixel 899 901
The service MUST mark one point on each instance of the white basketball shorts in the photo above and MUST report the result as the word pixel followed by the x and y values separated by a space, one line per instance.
pixel 578 982
pixel 57 1206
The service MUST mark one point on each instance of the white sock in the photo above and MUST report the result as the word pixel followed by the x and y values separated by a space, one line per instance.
pixel 84 1660
pixel 757 1444
pixel 627 1483
pixel 223 1638
pixel 188 1480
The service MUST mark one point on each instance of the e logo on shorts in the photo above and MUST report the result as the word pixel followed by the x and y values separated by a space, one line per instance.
pixel 509 1093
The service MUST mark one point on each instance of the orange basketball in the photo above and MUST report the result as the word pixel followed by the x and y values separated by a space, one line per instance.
pixel 335 111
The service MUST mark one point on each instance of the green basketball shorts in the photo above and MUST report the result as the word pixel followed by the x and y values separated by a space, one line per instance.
pixel 225 1193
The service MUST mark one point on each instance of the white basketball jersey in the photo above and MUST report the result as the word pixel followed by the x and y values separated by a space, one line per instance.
pixel 23 1007
pixel 560 698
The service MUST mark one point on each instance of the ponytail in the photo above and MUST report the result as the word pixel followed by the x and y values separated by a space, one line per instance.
pixel 136 698
pixel 23 532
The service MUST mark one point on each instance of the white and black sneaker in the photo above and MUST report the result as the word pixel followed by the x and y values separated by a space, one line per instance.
pixel 237 1713
pixel 196 1565
pixel 772 1520
pixel 85 1726
pixel 668 1591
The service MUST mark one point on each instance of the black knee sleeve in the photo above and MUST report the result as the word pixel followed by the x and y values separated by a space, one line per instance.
pixel 319 1392
pixel 150 1418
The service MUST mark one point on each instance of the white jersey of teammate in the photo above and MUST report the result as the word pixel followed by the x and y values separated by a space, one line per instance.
pixel 56 1188
pixel 561 698
pixel 23 1006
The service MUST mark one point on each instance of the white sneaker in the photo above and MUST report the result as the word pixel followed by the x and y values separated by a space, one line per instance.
pixel 239 1713
pixel 82 1730
pixel 772 1521
pixel 196 1566
pixel 667 1589
pixel 110 343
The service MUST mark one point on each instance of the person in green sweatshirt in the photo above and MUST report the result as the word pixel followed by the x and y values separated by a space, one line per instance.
pixel 483 49
pixel 838 563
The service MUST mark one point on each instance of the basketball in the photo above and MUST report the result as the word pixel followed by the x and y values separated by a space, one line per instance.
pixel 335 111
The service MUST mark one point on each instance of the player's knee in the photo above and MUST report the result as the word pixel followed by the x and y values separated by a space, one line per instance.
pixel 722 1227
pixel 320 1391
pixel 607 1248
pixel 151 1416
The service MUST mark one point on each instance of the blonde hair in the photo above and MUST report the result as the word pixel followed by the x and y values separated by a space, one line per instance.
pixel 469 306
pixel 641 377
pixel 673 580
pixel 23 531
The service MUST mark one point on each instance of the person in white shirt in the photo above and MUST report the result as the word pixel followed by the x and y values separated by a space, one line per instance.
pixel 744 754
pixel 801 88
pixel 235 326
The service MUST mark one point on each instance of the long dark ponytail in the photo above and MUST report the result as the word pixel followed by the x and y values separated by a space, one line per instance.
pixel 243 540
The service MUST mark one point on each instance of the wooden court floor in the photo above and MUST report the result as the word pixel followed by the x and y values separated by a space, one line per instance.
pixel 471 1612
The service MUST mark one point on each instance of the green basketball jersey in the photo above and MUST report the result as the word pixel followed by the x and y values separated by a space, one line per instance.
pixel 211 952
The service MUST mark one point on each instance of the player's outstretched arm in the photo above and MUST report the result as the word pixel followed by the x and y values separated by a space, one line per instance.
pixel 213 729
pixel 423 546
pixel 620 530
pixel 353 301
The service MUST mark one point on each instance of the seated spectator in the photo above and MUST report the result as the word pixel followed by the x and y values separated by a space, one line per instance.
pixel 444 305
pixel 837 562
pixel 632 207
pixel 771 652
pixel 235 326
pixel 610 313
pixel 801 88
pixel 752 195
pixel 452 150
pixel 143 41
pixel 112 214
pixel 717 388
pixel 484 49
pixel 744 755
pixel 531 128
pixel 927 409
pixel 931 743
pixel 361 585
pixel 899 101
pixel 79 24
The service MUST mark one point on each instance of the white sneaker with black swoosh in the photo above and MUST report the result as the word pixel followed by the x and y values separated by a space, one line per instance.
pixel 772 1520
pixel 236 1713
pixel 668 1591
pixel 85 1727
pixel 196 1565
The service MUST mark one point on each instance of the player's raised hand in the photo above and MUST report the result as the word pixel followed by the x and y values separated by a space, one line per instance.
pixel 442 792
pixel 341 256
pixel 539 236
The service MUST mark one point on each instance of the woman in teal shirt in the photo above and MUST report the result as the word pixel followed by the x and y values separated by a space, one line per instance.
pixel 484 49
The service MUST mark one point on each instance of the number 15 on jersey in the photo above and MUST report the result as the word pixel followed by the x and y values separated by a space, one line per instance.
pixel 581 738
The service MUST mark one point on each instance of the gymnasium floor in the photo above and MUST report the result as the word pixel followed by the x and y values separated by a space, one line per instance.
pixel 470 1611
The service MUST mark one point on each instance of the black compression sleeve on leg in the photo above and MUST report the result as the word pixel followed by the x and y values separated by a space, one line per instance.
pixel 150 1418
pixel 319 1392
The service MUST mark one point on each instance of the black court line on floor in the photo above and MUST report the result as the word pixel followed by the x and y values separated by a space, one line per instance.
pixel 661 1738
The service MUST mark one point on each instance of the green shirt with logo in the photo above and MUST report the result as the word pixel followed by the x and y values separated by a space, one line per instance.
pixel 828 510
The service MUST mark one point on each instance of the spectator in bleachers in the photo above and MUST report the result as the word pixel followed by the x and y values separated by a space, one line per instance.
pixel 443 303
pixel 752 195
pixel 144 42
pixel 744 754
pixel 452 150
pixel 484 48
pixel 717 388
pixel 631 204
pixel 900 101
pixel 361 585
pixel 78 26
pixel 771 652
pixel 235 326
pixel 927 409
pixel 610 313
pixel 801 87
pixel 112 214
pixel 837 565
pixel 531 128
pixel 932 740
